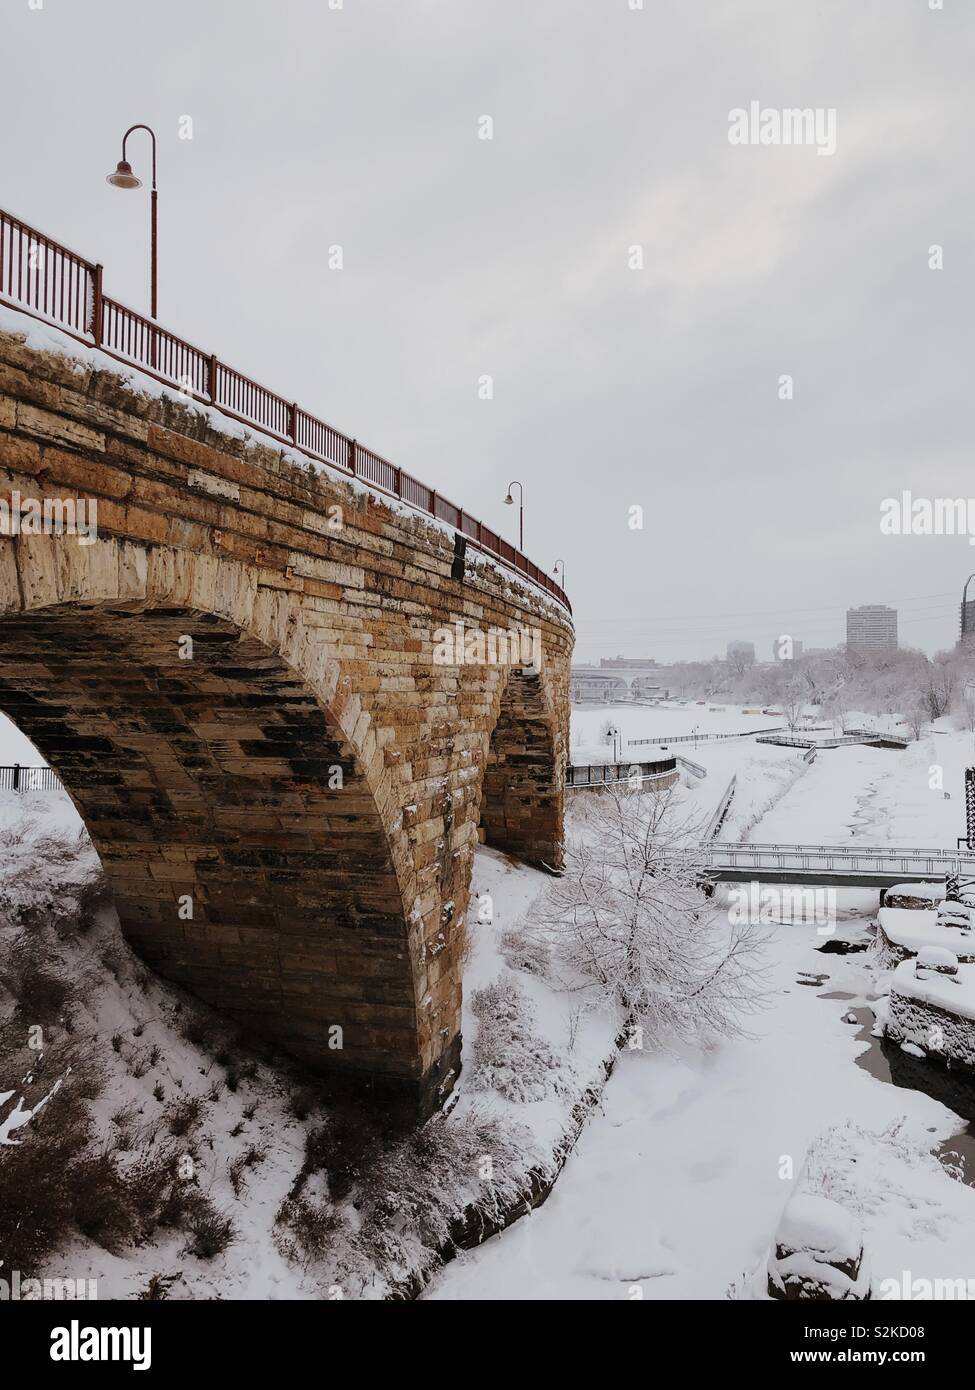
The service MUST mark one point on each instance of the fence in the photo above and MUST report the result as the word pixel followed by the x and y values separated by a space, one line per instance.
pixel 701 738
pixel 607 774
pixel 841 741
pixel 689 765
pixel 717 820
pixel 46 280
pixel 29 779
pixel 839 859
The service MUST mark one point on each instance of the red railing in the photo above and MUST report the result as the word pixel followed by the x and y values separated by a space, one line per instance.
pixel 46 280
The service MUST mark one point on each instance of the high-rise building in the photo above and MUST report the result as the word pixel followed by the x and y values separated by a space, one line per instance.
pixel 966 636
pixel 742 651
pixel 872 628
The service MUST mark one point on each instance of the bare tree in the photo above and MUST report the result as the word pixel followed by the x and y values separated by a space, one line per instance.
pixel 634 929
pixel 938 686
pixel 917 717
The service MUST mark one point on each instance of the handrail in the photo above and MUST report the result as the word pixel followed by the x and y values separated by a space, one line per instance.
pixel 701 738
pixel 853 849
pixel 42 278
pixel 691 766
pixel 716 821
pixel 17 777
pixel 607 774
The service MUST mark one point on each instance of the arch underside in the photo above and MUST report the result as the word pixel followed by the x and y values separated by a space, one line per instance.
pixel 221 779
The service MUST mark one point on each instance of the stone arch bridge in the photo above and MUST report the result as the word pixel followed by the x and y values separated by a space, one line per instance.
pixel 302 776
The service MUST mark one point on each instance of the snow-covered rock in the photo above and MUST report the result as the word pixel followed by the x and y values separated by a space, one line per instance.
pixel 818 1252
pixel 935 959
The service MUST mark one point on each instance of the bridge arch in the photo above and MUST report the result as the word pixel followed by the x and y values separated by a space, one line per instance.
pixel 523 792
pixel 237 775
pixel 335 593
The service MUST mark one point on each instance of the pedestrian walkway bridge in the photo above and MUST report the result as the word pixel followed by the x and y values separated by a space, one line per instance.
pixel 841 866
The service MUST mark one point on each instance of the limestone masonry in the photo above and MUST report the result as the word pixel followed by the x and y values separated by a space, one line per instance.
pixel 287 804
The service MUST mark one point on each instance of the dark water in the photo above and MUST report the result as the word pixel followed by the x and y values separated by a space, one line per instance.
pixel 887 1062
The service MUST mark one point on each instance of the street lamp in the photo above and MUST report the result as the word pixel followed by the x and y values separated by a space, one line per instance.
pixel 562 577
pixel 510 501
pixel 123 177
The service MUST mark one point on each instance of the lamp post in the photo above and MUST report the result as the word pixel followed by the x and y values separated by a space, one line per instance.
pixel 561 577
pixel 510 501
pixel 123 177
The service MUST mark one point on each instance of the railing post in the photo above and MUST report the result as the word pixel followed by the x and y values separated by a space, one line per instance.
pixel 16 777
pixel 352 456
pixel 293 423
pixel 212 378
pixel 95 328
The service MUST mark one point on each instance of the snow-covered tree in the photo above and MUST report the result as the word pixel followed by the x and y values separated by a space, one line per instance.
pixel 634 929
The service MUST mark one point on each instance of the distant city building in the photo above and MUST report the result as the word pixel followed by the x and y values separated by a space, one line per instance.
pixel 779 649
pixel 872 628
pixel 966 636
pixel 742 651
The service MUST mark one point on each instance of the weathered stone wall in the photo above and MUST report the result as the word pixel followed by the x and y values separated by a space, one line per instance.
pixel 213 779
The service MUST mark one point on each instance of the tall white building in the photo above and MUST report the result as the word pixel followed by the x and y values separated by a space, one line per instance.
pixel 872 628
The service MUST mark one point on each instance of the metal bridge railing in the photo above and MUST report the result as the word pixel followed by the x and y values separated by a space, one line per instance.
pixel 700 738
pixel 578 775
pixel 48 281
pixel 854 858
pixel 17 778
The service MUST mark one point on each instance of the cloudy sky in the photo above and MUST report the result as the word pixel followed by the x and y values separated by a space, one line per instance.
pixel 613 387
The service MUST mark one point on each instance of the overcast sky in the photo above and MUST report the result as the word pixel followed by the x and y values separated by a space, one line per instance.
pixel 613 387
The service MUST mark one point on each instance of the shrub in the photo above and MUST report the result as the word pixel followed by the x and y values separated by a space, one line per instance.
pixel 210 1231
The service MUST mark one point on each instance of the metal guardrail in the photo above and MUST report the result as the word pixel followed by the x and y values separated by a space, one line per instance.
pixel 578 775
pixel 695 769
pixel 17 778
pixel 700 738
pixel 841 741
pixel 834 858
pixel 40 277
pixel 717 820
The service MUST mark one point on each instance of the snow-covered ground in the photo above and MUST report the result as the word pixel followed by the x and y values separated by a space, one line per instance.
pixel 878 796
pixel 679 1178
pixel 264 1144
pixel 676 1187
pixel 652 721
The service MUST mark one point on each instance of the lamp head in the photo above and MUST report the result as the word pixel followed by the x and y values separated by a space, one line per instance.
pixel 123 176
pixel 509 500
